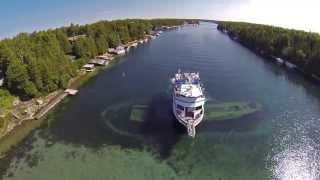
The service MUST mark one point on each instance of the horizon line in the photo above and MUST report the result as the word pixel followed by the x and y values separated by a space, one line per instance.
pixel 115 19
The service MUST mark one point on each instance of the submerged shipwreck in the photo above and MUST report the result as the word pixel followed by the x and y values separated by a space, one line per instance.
pixel 136 118
pixel 188 100
pixel 187 106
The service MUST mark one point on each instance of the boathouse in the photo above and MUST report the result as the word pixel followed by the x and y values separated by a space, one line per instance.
pixel 120 50
pixel 74 38
pixel 88 67
pixel 71 92
pixel 134 44
pixel 105 56
pixel 99 62
pixel 111 50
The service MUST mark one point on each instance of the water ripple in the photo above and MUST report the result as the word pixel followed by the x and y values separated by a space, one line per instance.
pixel 295 155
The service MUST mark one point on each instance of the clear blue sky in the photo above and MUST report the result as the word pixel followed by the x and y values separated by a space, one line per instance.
pixel 29 15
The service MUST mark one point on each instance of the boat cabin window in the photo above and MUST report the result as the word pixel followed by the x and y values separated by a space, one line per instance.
pixel 199 107
pixel 180 107
pixel 190 109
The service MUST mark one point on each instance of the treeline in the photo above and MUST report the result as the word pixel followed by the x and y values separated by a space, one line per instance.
pixel 39 63
pixel 297 47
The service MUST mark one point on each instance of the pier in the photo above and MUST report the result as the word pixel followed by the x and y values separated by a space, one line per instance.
pixel 51 105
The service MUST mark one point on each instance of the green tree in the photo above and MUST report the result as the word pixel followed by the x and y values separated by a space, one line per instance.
pixel 63 42
pixel 6 55
pixel 36 64
pixel 18 79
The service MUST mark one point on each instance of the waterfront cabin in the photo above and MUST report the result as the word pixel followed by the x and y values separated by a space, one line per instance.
pixel 165 27
pixel 120 50
pixel 106 56
pixel 134 44
pixel 71 92
pixel 74 38
pixel 150 37
pixel 99 62
pixel 111 50
pixel 88 67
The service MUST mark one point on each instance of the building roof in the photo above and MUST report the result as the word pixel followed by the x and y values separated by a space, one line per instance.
pixel 98 61
pixel 119 48
pixel 74 38
pixel 88 66
pixel 105 56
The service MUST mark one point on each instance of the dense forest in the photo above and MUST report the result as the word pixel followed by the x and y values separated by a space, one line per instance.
pixel 297 47
pixel 38 63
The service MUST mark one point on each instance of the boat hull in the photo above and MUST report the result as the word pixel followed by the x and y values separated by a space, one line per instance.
pixel 189 123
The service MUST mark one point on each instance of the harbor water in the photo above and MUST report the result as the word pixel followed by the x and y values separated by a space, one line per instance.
pixel 89 135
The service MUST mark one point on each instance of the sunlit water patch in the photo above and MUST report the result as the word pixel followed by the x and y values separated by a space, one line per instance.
pixel 295 154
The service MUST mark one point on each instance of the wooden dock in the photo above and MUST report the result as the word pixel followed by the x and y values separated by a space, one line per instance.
pixel 50 105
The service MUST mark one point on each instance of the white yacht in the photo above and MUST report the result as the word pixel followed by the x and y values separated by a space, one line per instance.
pixel 188 100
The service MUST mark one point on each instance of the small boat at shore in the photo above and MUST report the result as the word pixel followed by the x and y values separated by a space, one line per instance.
pixel 188 100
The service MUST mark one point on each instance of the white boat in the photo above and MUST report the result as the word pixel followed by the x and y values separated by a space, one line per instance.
pixel 134 45
pixel 188 100
pixel 120 50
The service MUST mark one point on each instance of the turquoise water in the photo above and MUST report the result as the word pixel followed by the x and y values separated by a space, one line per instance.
pixel 90 137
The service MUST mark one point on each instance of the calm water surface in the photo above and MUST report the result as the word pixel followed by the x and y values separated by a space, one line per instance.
pixel 90 137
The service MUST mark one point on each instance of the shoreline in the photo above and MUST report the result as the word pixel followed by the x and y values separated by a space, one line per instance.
pixel 274 59
pixel 19 132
